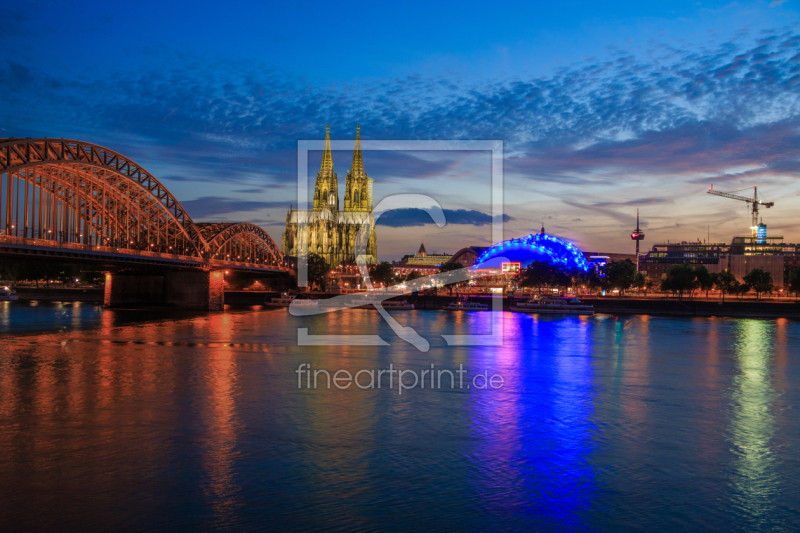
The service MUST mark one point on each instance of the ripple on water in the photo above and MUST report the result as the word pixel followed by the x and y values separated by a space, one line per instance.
pixel 135 420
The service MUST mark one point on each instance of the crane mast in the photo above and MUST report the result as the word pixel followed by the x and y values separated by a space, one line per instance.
pixel 754 201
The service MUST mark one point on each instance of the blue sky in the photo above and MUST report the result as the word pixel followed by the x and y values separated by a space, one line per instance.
pixel 602 107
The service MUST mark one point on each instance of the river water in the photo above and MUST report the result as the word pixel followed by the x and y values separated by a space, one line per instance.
pixel 122 421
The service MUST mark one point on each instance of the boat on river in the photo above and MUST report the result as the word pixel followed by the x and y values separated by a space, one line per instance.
pixel 286 299
pixel 554 306
pixel 7 294
pixel 463 304
pixel 397 305
pixel 367 302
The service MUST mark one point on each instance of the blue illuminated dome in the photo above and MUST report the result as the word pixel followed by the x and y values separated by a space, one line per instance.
pixel 526 250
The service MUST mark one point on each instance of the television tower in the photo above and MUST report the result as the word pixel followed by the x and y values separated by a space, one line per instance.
pixel 637 234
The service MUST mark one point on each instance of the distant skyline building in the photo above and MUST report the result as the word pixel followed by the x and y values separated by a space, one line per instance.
pixel 423 258
pixel 739 257
pixel 468 256
pixel 332 232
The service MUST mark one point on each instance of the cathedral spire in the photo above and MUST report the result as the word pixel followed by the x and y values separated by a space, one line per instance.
pixel 357 169
pixel 327 158
pixel 358 188
pixel 326 190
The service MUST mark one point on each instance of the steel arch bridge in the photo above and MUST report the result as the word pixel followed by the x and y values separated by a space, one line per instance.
pixel 69 194
pixel 236 240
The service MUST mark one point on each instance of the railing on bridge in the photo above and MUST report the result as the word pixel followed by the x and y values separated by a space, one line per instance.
pixel 11 239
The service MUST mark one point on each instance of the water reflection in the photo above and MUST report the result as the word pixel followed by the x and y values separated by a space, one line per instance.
pixel 5 315
pixel 571 494
pixel 498 426
pixel 603 423
pixel 633 363
pixel 220 423
pixel 534 437
pixel 34 317
pixel 752 424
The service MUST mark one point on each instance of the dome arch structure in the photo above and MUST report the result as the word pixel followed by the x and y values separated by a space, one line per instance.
pixel 533 247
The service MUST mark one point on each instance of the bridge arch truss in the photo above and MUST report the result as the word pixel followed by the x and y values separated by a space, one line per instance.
pixel 239 241
pixel 72 192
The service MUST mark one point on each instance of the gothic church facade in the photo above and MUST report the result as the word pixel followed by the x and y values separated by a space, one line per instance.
pixel 332 230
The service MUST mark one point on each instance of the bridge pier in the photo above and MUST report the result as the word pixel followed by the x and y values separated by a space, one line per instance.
pixel 178 289
pixel 195 290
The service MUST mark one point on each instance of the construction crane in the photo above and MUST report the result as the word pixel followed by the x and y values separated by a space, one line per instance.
pixel 754 200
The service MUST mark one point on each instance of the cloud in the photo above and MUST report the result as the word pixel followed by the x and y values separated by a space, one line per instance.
pixel 404 218
pixel 619 217
pixel 634 203
pixel 699 114
pixel 210 206
pixel 388 164
pixel 15 22
pixel 178 177
pixel 687 150
pixel 247 109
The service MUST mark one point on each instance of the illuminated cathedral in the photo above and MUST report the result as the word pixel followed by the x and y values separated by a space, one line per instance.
pixel 332 231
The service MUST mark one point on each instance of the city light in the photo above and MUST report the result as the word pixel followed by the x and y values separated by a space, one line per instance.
pixel 647 391
pixel 534 247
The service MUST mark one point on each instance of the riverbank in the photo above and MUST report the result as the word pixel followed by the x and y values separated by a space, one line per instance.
pixel 615 306
pixel 703 308
pixel 623 306
pixel 61 294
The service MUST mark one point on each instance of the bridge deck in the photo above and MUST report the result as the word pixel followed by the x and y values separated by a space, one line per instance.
pixel 17 246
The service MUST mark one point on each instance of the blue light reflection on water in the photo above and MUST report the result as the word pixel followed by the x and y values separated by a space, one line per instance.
pixel 603 424
pixel 536 434
pixel 32 316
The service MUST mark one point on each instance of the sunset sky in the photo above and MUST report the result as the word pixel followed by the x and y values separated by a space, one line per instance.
pixel 602 107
